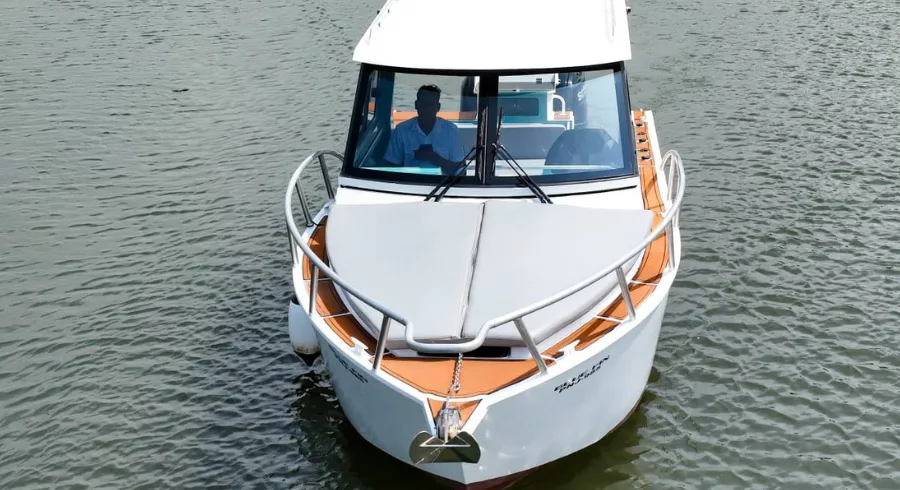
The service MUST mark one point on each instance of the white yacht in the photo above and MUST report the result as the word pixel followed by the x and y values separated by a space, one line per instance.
pixel 487 278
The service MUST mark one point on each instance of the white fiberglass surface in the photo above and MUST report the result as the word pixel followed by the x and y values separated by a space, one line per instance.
pixel 496 34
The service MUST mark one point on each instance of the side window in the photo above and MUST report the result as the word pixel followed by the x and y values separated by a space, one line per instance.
pixel 597 99
pixel 369 106
pixel 368 129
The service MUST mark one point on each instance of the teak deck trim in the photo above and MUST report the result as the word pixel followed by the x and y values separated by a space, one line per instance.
pixel 484 376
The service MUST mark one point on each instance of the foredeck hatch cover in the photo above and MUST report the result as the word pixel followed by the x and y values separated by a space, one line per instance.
pixel 449 267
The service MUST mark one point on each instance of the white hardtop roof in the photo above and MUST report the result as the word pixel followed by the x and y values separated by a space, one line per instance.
pixel 496 34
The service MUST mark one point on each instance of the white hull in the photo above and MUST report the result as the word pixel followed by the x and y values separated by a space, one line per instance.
pixel 519 428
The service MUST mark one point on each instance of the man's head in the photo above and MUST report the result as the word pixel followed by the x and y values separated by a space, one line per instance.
pixel 428 103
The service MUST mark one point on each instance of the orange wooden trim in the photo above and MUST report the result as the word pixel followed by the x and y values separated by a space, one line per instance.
pixel 652 201
pixel 657 254
pixel 465 408
pixel 400 116
pixel 346 327
pixel 317 244
pixel 596 328
pixel 477 377
pixel 655 257
pixel 328 302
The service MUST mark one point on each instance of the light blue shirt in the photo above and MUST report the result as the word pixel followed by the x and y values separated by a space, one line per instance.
pixel 408 136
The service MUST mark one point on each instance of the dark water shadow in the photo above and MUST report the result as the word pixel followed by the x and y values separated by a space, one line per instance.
pixel 375 469
pixel 597 466
pixel 327 440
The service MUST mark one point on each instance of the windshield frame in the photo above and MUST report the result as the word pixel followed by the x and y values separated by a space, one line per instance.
pixel 484 163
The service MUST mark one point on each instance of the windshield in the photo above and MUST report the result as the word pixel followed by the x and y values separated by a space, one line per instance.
pixel 414 124
pixel 555 127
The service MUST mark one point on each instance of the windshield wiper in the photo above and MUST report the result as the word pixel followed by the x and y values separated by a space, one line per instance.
pixel 521 174
pixel 451 180
pixel 444 186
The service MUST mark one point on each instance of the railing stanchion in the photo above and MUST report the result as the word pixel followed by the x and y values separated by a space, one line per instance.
pixel 676 220
pixel 313 288
pixel 292 247
pixel 302 198
pixel 670 244
pixel 526 336
pixel 671 178
pixel 328 189
pixel 382 340
pixel 626 294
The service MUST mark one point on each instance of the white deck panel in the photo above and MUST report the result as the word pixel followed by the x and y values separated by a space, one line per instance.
pixel 449 267
pixel 496 34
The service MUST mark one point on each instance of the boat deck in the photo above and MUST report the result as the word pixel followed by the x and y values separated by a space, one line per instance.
pixel 432 376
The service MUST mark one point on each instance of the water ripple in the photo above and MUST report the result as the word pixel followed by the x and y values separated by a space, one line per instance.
pixel 143 149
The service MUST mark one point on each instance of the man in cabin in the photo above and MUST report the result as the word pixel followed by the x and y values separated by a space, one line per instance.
pixel 427 139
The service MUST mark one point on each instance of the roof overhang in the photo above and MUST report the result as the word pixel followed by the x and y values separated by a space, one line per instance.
pixel 496 35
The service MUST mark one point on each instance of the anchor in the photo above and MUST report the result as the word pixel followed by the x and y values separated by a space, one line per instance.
pixel 428 448
pixel 450 444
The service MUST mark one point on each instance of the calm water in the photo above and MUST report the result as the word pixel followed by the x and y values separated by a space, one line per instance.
pixel 143 267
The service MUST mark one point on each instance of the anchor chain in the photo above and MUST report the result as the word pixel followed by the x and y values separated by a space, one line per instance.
pixel 454 387
pixel 448 418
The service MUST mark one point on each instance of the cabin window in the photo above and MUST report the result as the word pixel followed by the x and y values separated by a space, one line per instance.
pixel 580 138
pixel 558 127
pixel 410 118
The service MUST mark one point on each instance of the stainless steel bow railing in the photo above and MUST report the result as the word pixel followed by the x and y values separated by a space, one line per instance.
pixel 672 160
pixel 296 238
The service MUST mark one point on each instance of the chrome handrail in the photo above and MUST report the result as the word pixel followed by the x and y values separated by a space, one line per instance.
pixel 672 158
pixel 318 265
